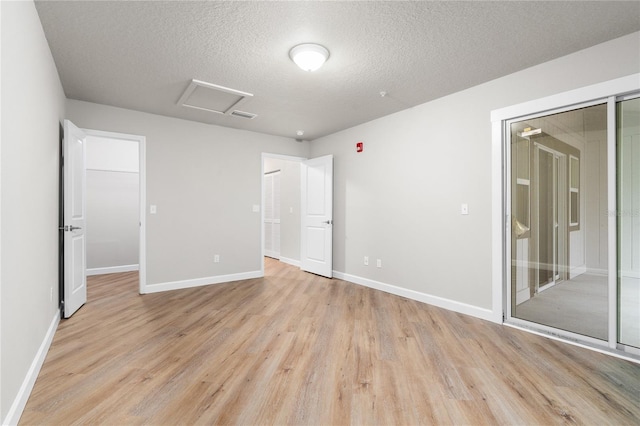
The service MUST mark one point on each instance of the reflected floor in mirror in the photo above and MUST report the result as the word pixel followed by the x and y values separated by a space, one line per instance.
pixel 578 305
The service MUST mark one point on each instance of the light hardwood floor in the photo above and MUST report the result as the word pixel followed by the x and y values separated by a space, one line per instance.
pixel 295 348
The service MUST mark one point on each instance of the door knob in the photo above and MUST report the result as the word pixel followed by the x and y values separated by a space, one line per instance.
pixel 328 222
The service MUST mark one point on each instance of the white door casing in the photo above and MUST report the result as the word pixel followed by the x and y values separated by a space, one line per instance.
pixel 75 282
pixel 317 216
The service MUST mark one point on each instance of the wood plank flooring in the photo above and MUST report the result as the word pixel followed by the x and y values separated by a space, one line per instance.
pixel 295 348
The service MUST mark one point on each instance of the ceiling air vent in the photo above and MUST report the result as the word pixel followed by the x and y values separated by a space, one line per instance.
pixel 243 114
pixel 211 97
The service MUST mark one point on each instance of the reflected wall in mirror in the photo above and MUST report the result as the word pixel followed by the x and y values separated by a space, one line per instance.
pixel 628 220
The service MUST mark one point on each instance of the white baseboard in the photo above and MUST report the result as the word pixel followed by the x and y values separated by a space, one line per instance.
pixel 522 296
pixel 597 271
pixel 579 270
pixel 15 412
pixel 452 305
pixel 112 269
pixel 198 282
pixel 292 262
pixel 630 274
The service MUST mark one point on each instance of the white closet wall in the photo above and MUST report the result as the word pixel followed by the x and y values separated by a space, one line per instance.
pixel 112 205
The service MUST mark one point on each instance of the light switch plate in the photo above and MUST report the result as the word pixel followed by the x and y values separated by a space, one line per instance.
pixel 256 208
pixel 153 209
pixel 464 209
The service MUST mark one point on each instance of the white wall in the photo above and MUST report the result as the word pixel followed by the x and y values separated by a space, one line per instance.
pixel 109 154
pixel 289 206
pixel 400 199
pixel 112 205
pixel 204 180
pixel 32 109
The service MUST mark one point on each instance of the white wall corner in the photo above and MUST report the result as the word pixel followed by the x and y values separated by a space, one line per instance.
pixel 199 282
pixel 15 412
pixel 440 302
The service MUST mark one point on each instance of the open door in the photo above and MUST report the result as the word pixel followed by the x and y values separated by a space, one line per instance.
pixel 317 216
pixel 74 187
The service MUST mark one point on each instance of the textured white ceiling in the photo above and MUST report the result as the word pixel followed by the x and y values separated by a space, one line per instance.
pixel 142 55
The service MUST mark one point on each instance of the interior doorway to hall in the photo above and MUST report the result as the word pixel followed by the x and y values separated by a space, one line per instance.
pixel 101 210
pixel 113 204
pixel 304 214
pixel 281 207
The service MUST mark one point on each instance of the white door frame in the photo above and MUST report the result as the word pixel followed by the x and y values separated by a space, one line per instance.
pixel 605 92
pixel 264 156
pixel 142 149
pixel 559 204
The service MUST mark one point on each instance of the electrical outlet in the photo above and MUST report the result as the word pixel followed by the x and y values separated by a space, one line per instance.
pixel 216 258
pixel 379 263
pixel 366 261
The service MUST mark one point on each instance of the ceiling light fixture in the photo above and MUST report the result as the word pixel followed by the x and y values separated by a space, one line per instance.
pixel 309 56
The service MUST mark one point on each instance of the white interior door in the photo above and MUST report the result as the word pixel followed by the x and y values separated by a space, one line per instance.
pixel 272 215
pixel 75 282
pixel 317 216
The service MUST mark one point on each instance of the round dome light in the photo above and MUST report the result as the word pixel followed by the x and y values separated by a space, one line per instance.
pixel 309 56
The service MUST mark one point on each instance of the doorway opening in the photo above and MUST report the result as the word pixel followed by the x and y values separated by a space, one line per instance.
pixel 281 208
pixel 115 165
pixel 113 187
pixel 305 211
pixel 116 200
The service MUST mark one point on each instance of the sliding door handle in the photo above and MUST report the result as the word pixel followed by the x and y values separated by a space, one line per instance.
pixel 69 228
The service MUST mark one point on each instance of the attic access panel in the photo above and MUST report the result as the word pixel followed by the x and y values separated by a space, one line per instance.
pixel 211 97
